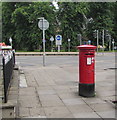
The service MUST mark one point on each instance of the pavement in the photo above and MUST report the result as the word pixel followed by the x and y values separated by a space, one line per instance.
pixel 52 92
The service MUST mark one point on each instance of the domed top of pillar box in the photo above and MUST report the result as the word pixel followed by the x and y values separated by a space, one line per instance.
pixel 86 47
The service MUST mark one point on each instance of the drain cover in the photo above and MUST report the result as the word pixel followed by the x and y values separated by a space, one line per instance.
pixel 115 102
pixel 110 69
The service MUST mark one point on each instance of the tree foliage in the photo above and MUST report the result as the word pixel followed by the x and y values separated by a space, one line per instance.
pixel 19 21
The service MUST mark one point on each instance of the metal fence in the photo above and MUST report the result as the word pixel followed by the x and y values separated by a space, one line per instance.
pixel 8 66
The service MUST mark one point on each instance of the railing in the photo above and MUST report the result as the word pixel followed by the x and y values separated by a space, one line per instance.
pixel 8 66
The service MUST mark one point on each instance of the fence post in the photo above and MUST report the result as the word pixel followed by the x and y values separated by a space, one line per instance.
pixel 4 78
pixel 13 58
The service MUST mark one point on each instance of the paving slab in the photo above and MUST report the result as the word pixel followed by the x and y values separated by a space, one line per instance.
pixel 58 112
pixel 80 108
pixel 27 91
pixel 107 114
pixel 86 115
pixel 24 112
pixel 29 102
pixel 94 100
pixel 100 107
pixel 73 101
pixel 37 112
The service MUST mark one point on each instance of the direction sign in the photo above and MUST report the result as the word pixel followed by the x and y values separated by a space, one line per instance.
pixel 58 40
pixel 52 39
pixel 43 24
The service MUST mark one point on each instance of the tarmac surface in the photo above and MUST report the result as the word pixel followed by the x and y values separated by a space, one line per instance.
pixel 52 91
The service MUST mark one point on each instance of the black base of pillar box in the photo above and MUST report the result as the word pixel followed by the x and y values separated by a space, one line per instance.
pixel 87 90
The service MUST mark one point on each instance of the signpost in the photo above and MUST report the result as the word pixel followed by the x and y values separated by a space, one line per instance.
pixel 10 40
pixel 97 31
pixel 80 38
pixel 109 42
pixel 113 42
pixel 52 39
pixel 89 42
pixel 69 45
pixel 103 39
pixel 58 41
pixel 43 24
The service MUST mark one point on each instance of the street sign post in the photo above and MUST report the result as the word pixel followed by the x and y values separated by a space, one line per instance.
pixel 52 39
pixel 97 31
pixel 69 45
pixel 80 38
pixel 89 42
pixel 10 40
pixel 113 42
pixel 43 24
pixel 58 41
pixel 103 40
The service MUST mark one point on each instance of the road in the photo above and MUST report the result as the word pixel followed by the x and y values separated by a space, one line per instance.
pixel 37 61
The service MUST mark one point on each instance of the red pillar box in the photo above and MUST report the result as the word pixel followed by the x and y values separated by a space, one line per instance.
pixel 87 70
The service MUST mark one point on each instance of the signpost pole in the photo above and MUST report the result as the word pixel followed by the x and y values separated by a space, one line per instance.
pixel 43 25
pixel 109 42
pixel 10 40
pixel 58 48
pixel 103 40
pixel 43 47
pixel 69 45
pixel 97 40
pixel 113 44
pixel 52 39
pixel 51 46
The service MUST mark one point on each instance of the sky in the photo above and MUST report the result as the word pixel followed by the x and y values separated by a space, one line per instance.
pixel 55 4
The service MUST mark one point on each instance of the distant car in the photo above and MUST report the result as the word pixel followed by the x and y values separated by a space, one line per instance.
pixel 2 44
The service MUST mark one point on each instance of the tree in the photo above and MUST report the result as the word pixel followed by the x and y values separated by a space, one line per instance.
pixel 102 16
pixel 7 26
pixel 24 19
pixel 71 17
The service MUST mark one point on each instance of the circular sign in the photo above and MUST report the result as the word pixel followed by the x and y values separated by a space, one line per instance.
pixel 43 24
pixel 69 40
pixel 52 39
pixel 58 37
pixel 89 41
